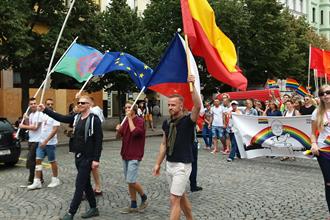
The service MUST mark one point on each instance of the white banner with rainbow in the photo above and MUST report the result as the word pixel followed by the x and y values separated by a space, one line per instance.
pixel 258 136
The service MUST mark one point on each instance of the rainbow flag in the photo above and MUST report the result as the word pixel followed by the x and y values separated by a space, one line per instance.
pixel 291 84
pixel 302 91
pixel 272 84
pixel 79 62
pixel 208 41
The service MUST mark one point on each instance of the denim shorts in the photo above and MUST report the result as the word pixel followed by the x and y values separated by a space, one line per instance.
pixel 131 168
pixel 218 131
pixel 49 150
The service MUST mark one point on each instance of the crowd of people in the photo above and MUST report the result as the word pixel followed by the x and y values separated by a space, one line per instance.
pixel 178 146
pixel 217 123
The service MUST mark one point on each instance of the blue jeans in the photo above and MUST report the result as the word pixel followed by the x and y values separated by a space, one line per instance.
pixel 207 135
pixel 234 147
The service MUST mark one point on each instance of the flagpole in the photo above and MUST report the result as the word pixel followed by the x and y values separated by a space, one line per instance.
pixel 309 66
pixel 316 81
pixel 137 98
pixel 85 84
pixel 54 51
pixel 188 61
pixel 43 83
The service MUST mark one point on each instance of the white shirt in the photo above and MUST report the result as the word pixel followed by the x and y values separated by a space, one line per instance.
pixel 34 119
pixel 46 128
pixel 217 113
pixel 325 132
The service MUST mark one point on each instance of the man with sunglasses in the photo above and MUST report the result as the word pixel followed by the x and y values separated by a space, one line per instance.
pixel 34 128
pixel 308 107
pixel 86 143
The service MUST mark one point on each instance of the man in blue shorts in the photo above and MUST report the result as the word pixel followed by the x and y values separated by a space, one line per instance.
pixel 47 147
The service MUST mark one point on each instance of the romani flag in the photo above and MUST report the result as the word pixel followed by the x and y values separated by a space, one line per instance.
pixel 291 83
pixel 79 62
pixel 208 41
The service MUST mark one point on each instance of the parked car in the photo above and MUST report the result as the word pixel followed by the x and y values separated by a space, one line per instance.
pixel 10 146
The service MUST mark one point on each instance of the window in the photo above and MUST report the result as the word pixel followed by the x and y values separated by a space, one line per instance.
pixel 301 2
pixel 294 5
pixel 321 16
pixel 313 15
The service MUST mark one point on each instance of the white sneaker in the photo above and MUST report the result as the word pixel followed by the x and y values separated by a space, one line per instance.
pixel 55 182
pixel 35 185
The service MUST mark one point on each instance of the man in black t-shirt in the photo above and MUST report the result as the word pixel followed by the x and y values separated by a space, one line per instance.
pixel 177 144
pixel 308 107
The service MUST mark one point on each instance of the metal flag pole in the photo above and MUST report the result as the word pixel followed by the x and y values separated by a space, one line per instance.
pixel 43 83
pixel 54 51
pixel 137 98
pixel 309 66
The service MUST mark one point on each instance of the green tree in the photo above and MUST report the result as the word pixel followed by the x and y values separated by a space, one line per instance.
pixel 120 30
pixel 26 49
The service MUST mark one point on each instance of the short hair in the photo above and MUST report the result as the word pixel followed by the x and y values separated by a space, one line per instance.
pixel 49 99
pixel 135 107
pixel 180 97
pixel 289 100
pixel 32 99
pixel 287 95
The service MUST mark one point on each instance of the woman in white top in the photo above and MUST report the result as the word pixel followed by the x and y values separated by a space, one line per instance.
pixel 321 142
pixel 290 110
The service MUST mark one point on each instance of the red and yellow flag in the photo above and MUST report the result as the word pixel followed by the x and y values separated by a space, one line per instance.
pixel 208 41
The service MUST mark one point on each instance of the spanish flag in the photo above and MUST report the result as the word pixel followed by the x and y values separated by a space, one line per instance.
pixel 208 41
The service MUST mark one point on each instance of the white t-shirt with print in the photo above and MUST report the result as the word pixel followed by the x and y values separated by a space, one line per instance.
pixel 325 132
pixel 47 126
pixel 34 119
pixel 217 113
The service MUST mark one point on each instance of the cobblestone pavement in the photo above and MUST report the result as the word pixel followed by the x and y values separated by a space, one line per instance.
pixel 261 188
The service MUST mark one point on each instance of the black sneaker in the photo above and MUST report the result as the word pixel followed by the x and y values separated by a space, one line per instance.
pixel 67 216
pixel 91 213
pixel 195 189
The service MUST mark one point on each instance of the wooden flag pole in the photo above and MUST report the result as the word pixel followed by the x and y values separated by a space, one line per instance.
pixel 54 51
pixel 188 61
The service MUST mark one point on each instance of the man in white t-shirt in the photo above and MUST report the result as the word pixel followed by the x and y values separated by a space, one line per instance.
pixel 47 147
pixel 34 127
pixel 217 124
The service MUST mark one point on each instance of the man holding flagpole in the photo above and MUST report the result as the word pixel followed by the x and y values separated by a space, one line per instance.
pixel 176 145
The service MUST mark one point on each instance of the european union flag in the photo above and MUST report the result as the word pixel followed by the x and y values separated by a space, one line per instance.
pixel 117 61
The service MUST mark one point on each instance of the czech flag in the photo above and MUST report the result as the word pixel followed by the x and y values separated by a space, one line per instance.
pixel 208 41
pixel 170 76
pixel 291 84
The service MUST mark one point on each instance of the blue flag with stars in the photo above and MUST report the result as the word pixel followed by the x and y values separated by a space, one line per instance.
pixel 117 61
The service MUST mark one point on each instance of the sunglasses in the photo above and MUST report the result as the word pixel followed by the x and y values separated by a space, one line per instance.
pixel 324 93
pixel 82 103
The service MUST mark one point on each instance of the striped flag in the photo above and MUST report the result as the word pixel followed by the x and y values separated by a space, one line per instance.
pixel 272 84
pixel 291 84
pixel 302 91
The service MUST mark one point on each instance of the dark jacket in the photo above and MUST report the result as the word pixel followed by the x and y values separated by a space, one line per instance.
pixel 90 144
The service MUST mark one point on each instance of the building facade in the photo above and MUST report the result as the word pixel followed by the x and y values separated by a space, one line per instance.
pixel 317 13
